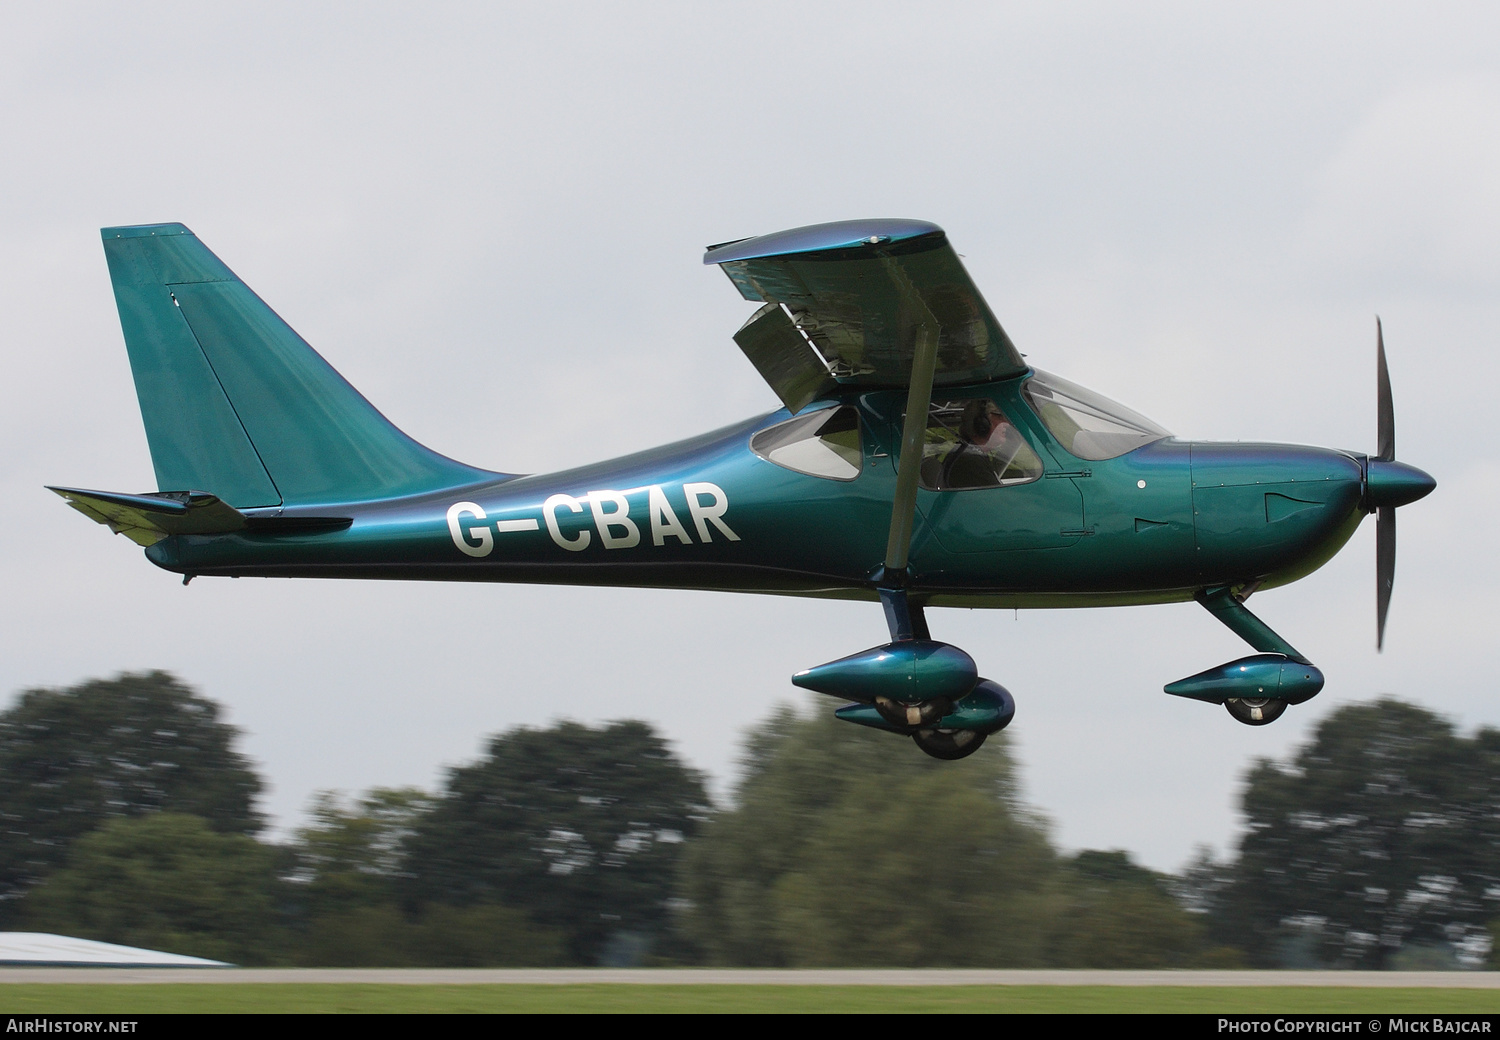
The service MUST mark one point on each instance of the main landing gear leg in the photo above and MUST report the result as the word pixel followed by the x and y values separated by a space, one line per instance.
pixel 915 686
pixel 907 623
pixel 1254 690
pixel 904 618
pixel 923 720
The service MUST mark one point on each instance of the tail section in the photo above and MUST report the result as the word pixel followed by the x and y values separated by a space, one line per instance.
pixel 235 402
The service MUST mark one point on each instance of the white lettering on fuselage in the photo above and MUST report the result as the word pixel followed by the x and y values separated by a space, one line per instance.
pixel 549 513
pixel 616 518
pixel 474 533
pixel 483 543
pixel 703 515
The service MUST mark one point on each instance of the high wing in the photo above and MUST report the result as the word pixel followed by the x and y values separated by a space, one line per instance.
pixel 845 302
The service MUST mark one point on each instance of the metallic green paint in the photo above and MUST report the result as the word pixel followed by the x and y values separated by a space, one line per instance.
pixel 237 403
pixel 239 408
pixel 1261 676
pixel 1223 604
pixel 1390 483
pixel 988 708
pixel 909 670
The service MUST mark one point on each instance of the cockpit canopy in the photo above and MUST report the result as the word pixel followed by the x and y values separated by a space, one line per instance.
pixel 969 442
pixel 1088 425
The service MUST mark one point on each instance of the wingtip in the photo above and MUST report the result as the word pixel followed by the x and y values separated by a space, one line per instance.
pixel 145 230
pixel 824 238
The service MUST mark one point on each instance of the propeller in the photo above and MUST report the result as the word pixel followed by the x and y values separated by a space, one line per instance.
pixel 1385 520
pixel 1388 484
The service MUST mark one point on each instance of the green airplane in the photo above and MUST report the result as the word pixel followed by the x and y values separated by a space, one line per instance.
pixel 919 461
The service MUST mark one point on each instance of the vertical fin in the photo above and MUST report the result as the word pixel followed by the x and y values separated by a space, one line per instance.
pixel 235 402
pixel 197 441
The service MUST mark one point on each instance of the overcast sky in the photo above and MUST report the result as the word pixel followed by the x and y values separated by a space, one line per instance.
pixel 485 214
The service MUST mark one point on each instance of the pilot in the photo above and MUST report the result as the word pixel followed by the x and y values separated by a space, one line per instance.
pixel 988 443
pixel 984 425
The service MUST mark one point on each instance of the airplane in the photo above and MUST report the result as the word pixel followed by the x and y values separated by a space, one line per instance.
pixel 919 461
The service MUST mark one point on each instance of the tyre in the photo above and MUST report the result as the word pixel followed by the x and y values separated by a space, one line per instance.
pixel 1255 711
pixel 949 744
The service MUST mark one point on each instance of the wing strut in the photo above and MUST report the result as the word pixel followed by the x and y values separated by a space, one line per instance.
pixel 904 505
pixel 905 619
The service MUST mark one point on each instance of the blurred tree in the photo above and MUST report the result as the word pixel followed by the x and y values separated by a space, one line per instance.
pixel 1383 833
pixel 349 862
pixel 165 881
pixel 847 846
pixel 352 854
pixel 1201 885
pixel 578 828
pixel 1118 914
pixel 73 759
pixel 483 936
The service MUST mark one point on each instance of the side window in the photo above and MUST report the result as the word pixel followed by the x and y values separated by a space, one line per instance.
pixel 824 443
pixel 971 444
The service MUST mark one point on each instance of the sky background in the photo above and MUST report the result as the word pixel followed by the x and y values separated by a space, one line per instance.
pixel 484 215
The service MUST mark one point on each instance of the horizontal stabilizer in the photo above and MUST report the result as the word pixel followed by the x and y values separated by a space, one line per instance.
pixel 147 519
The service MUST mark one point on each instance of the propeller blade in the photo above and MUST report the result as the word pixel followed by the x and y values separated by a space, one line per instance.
pixel 1385 411
pixel 1385 568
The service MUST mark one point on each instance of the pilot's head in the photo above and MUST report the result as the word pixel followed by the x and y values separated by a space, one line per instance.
pixel 979 420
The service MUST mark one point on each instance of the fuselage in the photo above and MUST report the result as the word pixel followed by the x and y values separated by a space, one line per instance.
pixel 1004 486
pixel 1153 524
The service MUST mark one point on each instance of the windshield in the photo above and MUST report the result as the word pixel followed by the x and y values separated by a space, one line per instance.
pixel 1089 425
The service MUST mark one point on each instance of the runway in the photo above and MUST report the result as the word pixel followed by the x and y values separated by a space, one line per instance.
pixel 746 977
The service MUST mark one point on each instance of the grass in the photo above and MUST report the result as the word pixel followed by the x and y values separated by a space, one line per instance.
pixel 374 998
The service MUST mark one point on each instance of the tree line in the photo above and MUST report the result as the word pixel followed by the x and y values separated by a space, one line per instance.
pixel 127 815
